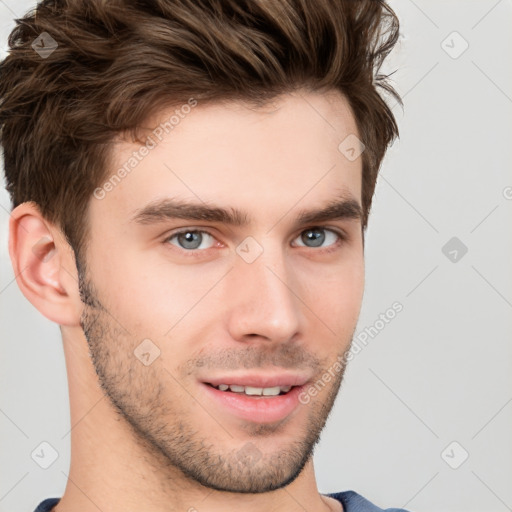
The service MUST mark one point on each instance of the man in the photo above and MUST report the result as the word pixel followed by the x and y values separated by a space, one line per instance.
pixel 191 183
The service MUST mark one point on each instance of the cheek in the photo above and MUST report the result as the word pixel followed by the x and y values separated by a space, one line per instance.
pixel 336 298
pixel 149 298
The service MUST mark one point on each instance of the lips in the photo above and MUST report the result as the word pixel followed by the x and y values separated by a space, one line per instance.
pixel 262 398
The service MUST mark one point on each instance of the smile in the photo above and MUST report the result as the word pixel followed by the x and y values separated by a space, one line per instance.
pixel 258 400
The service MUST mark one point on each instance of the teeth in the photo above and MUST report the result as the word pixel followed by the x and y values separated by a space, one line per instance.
pixel 252 391
pixel 271 391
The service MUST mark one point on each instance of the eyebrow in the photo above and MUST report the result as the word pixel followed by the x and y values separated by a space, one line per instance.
pixel 172 208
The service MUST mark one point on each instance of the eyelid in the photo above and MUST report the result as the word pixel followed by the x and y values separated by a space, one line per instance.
pixel 196 229
pixel 335 229
pixel 340 233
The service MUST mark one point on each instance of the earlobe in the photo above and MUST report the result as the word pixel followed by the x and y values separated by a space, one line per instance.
pixel 43 266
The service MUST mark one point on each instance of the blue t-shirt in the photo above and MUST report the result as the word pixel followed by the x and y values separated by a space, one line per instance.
pixel 351 501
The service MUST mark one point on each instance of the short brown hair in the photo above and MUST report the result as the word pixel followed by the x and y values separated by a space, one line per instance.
pixel 118 61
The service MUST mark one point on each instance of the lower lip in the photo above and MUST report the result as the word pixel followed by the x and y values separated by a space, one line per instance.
pixel 258 409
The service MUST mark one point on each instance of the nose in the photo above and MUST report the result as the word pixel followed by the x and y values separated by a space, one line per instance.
pixel 263 302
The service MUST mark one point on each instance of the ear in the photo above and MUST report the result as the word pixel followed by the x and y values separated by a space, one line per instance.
pixel 44 265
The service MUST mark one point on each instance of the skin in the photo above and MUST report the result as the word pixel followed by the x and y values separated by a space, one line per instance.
pixel 148 437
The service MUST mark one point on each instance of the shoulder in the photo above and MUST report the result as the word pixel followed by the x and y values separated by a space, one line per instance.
pixel 354 502
pixel 47 504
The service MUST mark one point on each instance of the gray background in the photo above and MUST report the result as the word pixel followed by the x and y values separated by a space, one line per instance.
pixel 431 387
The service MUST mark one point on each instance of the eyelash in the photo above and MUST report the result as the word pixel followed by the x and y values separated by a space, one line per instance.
pixel 342 237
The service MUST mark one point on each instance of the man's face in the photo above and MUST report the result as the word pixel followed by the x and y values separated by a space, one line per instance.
pixel 264 305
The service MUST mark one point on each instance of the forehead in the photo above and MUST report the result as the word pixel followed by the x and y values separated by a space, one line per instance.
pixel 235 154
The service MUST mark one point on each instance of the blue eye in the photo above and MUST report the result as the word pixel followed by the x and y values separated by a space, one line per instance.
pixel 190 239
pixel 315 237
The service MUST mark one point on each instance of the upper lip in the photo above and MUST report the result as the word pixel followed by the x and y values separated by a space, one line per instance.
pixel 259 380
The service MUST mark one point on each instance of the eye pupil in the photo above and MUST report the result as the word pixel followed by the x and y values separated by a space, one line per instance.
pixel 316 236
pixel 189 239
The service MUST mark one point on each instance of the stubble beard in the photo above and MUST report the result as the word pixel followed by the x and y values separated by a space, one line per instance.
pixel 162 428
